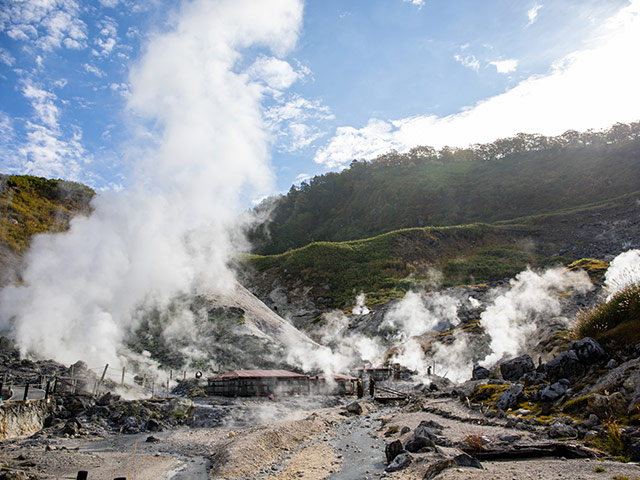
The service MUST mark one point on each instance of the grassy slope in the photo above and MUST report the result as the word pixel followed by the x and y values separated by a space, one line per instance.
pixel 386 265
pixel 31 205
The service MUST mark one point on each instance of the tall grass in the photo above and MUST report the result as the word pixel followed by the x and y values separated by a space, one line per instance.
pixel 616 319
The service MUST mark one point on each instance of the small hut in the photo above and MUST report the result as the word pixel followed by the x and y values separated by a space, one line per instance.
pixel 379 374
pixel 250 383
pixel 341 385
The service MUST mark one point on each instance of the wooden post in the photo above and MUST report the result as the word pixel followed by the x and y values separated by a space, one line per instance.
pixel 71 373
pixel 170 374
pixel 167 388
pixel 123 371
pixel 26 393
pixel 46 390
pixel 153 384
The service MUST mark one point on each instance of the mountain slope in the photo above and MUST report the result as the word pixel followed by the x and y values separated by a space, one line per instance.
pixel 510 178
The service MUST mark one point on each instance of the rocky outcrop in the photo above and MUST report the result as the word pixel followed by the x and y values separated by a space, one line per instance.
pixel 588 350
pixel 516 368
pixel 22 418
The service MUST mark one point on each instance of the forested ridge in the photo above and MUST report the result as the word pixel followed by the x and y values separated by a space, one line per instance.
pixel 514 177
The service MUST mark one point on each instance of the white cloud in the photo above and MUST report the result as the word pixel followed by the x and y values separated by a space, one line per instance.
pixel 276 74
pixel 46 153
pixel 107 37
pixel 50 23
pixel 532 14
pixel 6 57
pixel 469 61
pixel 349 143
pixel 43 104
pixel 94 70
pixel 591 88
pixel 505 66
pixel 417 3
pixel 296 121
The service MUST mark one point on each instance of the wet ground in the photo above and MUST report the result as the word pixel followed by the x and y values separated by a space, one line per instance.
pixel 361 451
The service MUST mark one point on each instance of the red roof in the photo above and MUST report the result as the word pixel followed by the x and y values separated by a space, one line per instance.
pixel 257 374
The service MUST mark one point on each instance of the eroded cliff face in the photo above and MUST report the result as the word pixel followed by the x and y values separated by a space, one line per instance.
pixel 22 418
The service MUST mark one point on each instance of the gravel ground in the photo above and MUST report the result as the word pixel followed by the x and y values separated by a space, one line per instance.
pixel 313 444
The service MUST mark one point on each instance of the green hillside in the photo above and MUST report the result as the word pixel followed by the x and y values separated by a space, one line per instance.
pixel 516 177
pixel 30 205
pixel 388 265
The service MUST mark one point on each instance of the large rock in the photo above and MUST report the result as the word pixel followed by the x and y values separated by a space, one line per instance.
pixel 614 404
pixel 354 407
pixel 511 397
pixel 588 350
pixel 565 365
pixel 515 368
pixel 392 450
pixel 181 407
pixel 559 429
pixel 400 462
pixel 554 391
pixel 465 460
pixel 480 373
pixel 423 437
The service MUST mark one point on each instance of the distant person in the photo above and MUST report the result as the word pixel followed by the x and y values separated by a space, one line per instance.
pixel 360 388
pixel 429 370
pixel 372 386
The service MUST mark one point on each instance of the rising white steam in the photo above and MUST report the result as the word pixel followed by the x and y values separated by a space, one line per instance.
pixel 172 230
pixel 360 307
pixel 510 320
pixel 532 297
pixel 341 351
pixel 623 271
pixel 419 313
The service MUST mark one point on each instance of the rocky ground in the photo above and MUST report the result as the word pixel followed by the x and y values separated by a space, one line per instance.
pixel 575 416
pixel 320 443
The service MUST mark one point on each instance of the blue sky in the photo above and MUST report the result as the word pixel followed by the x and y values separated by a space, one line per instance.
pixel 364 77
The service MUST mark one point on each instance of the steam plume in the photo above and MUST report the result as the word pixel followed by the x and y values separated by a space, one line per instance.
pixel 172 230
pixel 623 271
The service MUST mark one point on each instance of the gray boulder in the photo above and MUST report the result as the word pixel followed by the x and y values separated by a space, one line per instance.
pixel 559 429
pixel 400 462
pixel 565 365
pixel 588 350
pixel 480 373
pixel 354 407
pixel 423 437
pixel 392 450
pixel 515 368
pixel 465 460
pixel 555 391
pixel 511 397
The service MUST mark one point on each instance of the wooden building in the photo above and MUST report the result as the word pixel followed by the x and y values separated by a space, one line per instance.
pixel 379 374
pixel 256 383
pixel 341 385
